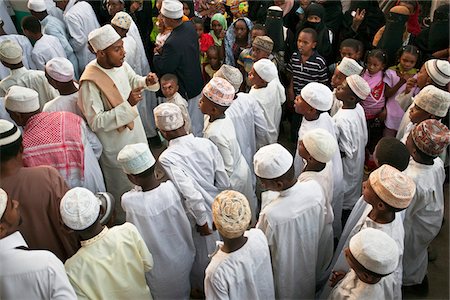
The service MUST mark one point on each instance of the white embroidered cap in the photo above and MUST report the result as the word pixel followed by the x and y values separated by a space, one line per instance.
pixel 375 250
pixel 318 95
pixel 266 69
pixel 9 133
pixel 79 208
pixel 122 20
pixel 135 158
pixel 168 116
pixel 3 202
pixel 37 5
pixel 60 69
pixel 10 52
pixel 21 99
pixel 172 9
pixel 438 70
pixel 219 91
pixel 349 66
pixel 272 161
pixel 103 37
pixel 230 74
pixel 320 144
pixel 433 100
pixel 359 86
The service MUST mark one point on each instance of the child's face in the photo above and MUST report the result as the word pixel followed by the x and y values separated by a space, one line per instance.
pixel 417 115
pixel 255 79
pixel 369 194
pixel 240 30
pixel 216 27
pixel 301 106
pixel 408 61
pixel 422 77
pixel 186 10
pixel 337 79
pixel 374 65
pixel 343 92
pixel 257 54
pixel 199 29
pixel 213 58
pixel 257 32
pixel 206 106
pixel 305 43
pixel 349 53
pixel 169 88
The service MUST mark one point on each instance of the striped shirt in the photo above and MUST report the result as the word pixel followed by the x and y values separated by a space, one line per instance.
pixel 313 70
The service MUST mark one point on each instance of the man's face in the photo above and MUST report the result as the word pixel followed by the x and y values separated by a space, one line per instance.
pixel 422 77
pixel 115 55
pixel 114 6
pixel 206 106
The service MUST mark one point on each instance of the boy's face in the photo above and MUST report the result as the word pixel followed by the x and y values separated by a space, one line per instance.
pixel 213 58
pixel 206 106
pixel 169 88
pixel 349 53
pixel 301 106
pixel 417 115
pixel 257 32
pixel 422 77
pixel 257 54
pixel 305 43
pixel 343 92
pixel 199 29
pixel 369 194
pixel 255 79
pixel 337 79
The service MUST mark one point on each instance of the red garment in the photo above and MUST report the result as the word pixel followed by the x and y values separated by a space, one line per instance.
pixel 413 25
pixel 54 139
pixel 206 41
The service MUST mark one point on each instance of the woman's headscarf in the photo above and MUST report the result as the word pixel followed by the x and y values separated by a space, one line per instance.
pixel 230 39
pixel 222 21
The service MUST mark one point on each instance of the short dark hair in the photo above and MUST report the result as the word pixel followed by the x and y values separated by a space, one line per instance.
pixel 350 43
pixel 170 77
pixel 197 20
pixel 393 152
pixel 259 27
pixel 11 150
pixel 32 24
pixel 311 31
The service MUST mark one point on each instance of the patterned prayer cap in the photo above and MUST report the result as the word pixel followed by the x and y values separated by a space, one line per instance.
pixel 219 91
pixel 392 186
pixel 230 74
pixel 264 43
pixel 359 86
pixel 122 20
pixel 79 208
pixel 231 214
pixel 349 66
pixel 433 100
pixel 168 117
pixel 431 137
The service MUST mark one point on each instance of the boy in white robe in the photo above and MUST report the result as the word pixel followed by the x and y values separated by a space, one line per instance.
pixel 388 191
pixel 423 218
pixel 293 223
pixel 352 138
pixel 317 148
pixel 269 92
pixel 372 256
pixel 313 103
pixel 217 96
pixel 240 267
pixel 157 211
pixel 196 168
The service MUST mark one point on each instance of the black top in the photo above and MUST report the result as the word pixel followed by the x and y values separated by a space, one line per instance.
pixel 180 56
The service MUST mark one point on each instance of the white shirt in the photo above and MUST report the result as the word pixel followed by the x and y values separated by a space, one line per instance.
pixel 46 48
pixel 31 274
pixel 243 274
pixel 423 217
pixel 325 122
pixel 161 220
pixel 295 218
pixel 26 46
pixel 64 103
pixel 352 139
pixel 271 98
pixel 133 32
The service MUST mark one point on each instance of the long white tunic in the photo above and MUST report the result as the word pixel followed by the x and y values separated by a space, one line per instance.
pixel 352 288
pixel 196 168
pixel 394 230
pixel 104 123
pixel 352 139
pixel 57 28
pixel 293 224
pixel 32 79
pixel 326 245
pixel 64 103
pixel 271 98
pixel 26 49
pixel 81 20
pixel 243 274
pixel 423 218
pixel 221 132
pixel 46 48
pixel 161 220
pixel 252 130
pixel 325 122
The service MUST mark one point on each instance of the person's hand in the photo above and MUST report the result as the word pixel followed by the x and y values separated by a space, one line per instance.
pixel 151 79
pixel 336 276
pixel 358 18
pixel 203 229
pixel 135 6
pixel 135 96
pixel 157 49
pixel 382 115
pixel 410 84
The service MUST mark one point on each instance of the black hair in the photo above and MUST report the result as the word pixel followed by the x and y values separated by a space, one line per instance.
pixel 350 43
pixel 260 27
pixel 378 54
pixel 169 77
pixel 32 24
pixel 409 49
pixel 393 152
pixel 197 20
pixel 311 31
pixel 213 48
pixel 11 150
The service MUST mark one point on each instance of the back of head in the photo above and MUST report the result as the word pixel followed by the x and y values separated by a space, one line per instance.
pixel 79 208
pixel 21 100
pixel 10 52
pixel 230 74
pixel 31 24
pixel 431 137
pixel 318 96
pixel 135 158
pixel 393 152
pixel 272 161
pixel 60 69
pixel 320 144
pixel 10 140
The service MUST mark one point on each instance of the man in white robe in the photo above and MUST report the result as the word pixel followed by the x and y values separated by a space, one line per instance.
pixel 270 97
pixel 196 168
pixel 157 211
pixel 80 19
pixel 11 58
pixel 313 103
pixel 109 92
pixel 293 223
pixel 55 27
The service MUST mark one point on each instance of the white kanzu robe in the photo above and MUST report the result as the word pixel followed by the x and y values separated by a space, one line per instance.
pixel 26 46
pixel 352 139
pixel 161 220
pixel 423 218
pixel 293 224
pixel 221 132
pixel 243 274
pixel 64 103
pixel 46 48
pixel 325 122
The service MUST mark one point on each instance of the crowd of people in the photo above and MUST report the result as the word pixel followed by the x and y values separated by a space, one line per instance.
pixel 141 149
